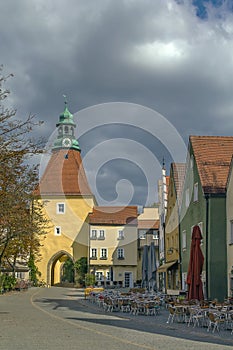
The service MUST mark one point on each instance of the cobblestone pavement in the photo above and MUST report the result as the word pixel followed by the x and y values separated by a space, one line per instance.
pixel 158 324
pixel 60 318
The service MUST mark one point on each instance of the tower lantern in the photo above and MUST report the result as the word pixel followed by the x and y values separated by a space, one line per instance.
pixel 65 131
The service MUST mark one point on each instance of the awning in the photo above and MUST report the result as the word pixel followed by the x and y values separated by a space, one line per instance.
pixel 165 267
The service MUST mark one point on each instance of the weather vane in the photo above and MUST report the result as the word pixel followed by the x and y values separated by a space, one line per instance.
pixel 65 98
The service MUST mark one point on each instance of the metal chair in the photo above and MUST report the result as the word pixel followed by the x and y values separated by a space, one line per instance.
pixel 215 322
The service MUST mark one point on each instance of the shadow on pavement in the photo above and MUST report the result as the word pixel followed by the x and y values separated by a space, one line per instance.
pixel 151 324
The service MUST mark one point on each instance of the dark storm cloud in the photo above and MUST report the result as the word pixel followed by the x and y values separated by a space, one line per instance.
pixel 155 53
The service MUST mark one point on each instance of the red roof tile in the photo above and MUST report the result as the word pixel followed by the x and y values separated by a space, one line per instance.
pixel 64 174
pixel 114 215
pixel 213 156
pixel 148 224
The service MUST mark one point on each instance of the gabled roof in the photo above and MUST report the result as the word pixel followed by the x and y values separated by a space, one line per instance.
pixel 148 224
pixel 114 215
pixel 64 175
pixel 213 156
pixel 178 176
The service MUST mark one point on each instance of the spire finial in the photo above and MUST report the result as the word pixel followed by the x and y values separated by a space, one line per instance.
pixel 163 163
pixel 65 99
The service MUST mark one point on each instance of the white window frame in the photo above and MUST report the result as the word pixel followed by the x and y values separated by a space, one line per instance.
pixel 121 234
pixel 99 276
pixel 57 230
pixel 101 234
pixel 184 240
pixel 61 208
pixel 95 255
pixel 103 253
pixel 120 253
pixel 195 192
pixel 93 234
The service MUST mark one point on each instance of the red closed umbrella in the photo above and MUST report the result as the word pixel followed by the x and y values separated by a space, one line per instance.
pixel 195 290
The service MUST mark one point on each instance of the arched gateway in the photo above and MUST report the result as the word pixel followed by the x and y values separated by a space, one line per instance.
pixel 55 267
pixel 67 201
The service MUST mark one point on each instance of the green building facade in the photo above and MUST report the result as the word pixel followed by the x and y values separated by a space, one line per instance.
pixel 204 204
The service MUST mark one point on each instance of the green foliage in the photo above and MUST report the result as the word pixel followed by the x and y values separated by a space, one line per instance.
pixel 81 268
pixel 68 271
pixel 89 280
pixel 34 272
pixel 7 282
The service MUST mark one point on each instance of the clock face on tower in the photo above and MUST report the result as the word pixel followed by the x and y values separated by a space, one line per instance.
pixel 66 142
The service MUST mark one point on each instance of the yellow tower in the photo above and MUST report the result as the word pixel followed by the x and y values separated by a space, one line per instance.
pixel 67 201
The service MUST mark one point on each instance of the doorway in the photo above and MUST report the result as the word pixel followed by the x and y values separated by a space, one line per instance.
pixel 128 280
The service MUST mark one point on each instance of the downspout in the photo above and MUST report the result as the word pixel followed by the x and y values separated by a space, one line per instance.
pixel 165 256
pixel 207 244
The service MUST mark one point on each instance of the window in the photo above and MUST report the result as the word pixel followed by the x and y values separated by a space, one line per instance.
pixel 57 230
pixel 187 198
pixel 99 276
pixel 101 234
pixel 191 162
pixel 103 253
pixel 155 234
pixel 231 233
pixel 120 253
pixel 60 208
pixel 108 276
pixel 195 192
pixel 201 228
pixel 142 234
pixel 93 253
pixel 184 284
pixel 120 234
pixel 93 234
pixel 184 240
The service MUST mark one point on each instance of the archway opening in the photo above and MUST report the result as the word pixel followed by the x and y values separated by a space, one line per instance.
pixel 61 268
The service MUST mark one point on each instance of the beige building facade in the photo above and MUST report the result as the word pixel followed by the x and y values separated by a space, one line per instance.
pixel 113 245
